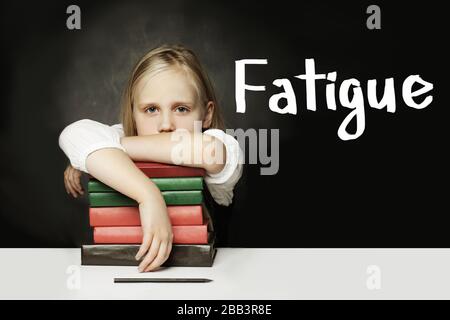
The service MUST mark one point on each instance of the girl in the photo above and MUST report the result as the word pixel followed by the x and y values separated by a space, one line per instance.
pixel 168 92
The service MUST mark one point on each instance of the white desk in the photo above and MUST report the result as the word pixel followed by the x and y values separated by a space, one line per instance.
pixel 238 274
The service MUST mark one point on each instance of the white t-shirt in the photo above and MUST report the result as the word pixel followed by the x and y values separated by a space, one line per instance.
pixel 83 137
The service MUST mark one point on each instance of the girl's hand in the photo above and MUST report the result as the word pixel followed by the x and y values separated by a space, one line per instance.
pixel 72 178
pixel 157 235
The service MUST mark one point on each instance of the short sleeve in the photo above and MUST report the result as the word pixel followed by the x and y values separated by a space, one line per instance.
pixel 83 137
pixel 221 184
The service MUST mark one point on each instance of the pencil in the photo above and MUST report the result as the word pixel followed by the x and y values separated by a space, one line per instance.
pixel 177 280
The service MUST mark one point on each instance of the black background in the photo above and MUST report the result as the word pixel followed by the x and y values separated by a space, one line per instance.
pixel 388 188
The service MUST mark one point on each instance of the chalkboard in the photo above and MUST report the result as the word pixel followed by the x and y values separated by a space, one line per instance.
pixel 385 188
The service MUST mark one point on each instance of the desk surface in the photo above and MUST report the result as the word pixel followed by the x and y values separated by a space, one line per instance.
pixel 238 273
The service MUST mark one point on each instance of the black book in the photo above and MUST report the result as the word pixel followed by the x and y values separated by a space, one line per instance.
pixel 182 255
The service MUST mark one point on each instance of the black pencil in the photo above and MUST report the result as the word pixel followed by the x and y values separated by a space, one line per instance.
pixel 178 280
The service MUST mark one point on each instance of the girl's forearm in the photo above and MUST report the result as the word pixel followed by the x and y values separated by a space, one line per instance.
pixel 200 150
pixel 115 168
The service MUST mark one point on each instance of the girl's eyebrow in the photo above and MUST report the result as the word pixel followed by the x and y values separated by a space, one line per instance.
pixel 174 103
pixel 145 104
pixel 186 103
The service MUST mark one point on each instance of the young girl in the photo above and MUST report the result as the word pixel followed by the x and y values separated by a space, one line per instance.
pixel 168 92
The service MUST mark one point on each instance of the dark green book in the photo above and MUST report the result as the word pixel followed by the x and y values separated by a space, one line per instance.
pixel 164 184
pixel 182 255
pixel 116 199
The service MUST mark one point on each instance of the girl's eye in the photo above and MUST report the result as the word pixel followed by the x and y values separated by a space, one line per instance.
pixel 182 109
pixel 151 109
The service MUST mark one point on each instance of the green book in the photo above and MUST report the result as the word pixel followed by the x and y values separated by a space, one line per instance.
pixel 164 184
pixel 116 199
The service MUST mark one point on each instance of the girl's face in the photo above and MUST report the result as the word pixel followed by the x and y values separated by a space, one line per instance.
pixel 167 101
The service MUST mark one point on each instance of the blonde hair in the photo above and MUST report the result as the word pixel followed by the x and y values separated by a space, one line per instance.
pixel 160 58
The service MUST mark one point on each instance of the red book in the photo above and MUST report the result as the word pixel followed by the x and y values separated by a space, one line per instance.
pixel 181 234
pixel 163 170
pixel 129 216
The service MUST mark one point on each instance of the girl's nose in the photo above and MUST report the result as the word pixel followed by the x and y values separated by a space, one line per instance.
pixel 166 123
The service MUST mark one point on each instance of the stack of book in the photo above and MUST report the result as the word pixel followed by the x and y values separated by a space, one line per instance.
pixel 116 224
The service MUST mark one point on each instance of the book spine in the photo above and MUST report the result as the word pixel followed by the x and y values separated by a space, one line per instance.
pixel 160 170
pixel 164 184
pixel 129 216
pixel 115 199
pixel 181 234
pixel 124 255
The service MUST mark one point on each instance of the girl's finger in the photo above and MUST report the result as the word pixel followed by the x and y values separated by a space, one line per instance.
pixel 72 190
pixel 77 178
pixel 159 259
pixel 65 182
pixel 146 242
pixel 169 249
pixel 151 255
pixel 74 182
pixel 71 186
